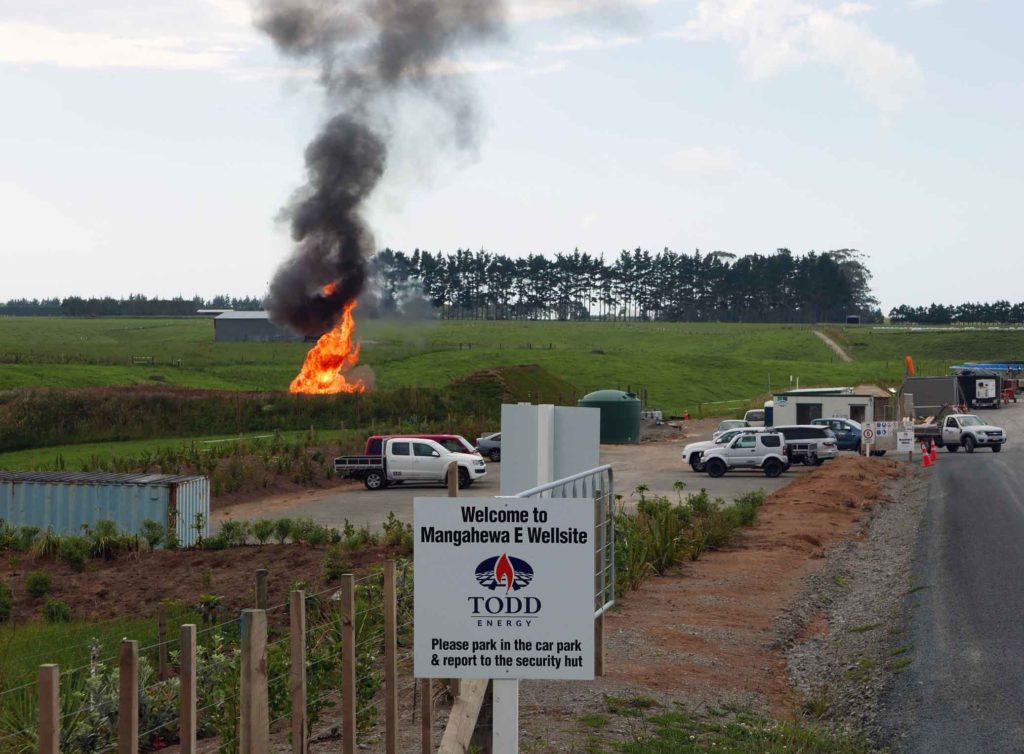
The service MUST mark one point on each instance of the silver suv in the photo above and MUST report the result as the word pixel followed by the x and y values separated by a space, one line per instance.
pixel 810 444
pixel 754 450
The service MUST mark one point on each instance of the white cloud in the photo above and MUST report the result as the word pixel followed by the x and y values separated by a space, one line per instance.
pixel 853 9
pixel 773 35
pixel 542 70
pixel 583 42
pixel 922 3
pixel 543 10
pixel 24 43
pixel 706 162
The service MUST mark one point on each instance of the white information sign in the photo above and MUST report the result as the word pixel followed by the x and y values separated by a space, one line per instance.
pixel 504 588
pixel 905 441
pixel 868 434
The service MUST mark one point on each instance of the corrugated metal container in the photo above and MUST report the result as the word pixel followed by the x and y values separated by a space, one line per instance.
pixel 66 501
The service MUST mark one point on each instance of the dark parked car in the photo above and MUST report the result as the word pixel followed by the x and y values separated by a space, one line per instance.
pixel 848 432
pixel 490 446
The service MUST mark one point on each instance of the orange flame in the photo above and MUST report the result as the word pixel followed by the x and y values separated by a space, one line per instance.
pixel 504 573
pixel 334 354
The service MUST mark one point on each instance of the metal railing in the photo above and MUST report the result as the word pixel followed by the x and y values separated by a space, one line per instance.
pixel 597 484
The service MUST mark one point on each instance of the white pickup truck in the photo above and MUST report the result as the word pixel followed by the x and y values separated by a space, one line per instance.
pixel 756 450
pixel 410 459
pixel 970 432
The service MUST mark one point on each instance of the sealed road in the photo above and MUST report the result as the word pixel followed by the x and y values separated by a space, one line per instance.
pixel 964 690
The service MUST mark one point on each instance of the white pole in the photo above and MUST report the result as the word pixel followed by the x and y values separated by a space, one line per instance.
pixel 505 739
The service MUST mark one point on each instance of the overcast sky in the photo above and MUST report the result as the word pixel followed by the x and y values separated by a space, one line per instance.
pixel 147 147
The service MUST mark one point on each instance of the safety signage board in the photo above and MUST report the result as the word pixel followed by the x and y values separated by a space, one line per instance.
pixel 905 441
pixel 868 434
pixel 504 588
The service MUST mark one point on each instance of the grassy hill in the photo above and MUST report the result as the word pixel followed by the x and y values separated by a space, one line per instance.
pixel 680 364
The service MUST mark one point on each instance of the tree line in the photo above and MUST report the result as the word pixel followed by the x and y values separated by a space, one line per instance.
pixel 135 305
pixel 635 285
pixel 1002 312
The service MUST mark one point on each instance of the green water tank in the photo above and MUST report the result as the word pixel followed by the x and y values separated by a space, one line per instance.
pixel 620 415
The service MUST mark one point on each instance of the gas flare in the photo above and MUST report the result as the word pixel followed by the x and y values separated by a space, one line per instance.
pixel 333 356
pixel 504 573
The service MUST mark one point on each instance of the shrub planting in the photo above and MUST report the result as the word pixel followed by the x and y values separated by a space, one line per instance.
pixel 74 551
pixel 153 532
pixel 234 533
pixel 56 611
pixel 660 533
pixel 263 530
pixel 37 584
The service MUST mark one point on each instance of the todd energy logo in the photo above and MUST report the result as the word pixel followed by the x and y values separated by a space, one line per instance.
pixel 504 575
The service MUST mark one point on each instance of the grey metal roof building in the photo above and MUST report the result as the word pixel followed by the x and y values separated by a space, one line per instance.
pixel 243 327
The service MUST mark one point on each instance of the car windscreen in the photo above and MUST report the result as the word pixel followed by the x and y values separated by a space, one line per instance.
pixel 971 421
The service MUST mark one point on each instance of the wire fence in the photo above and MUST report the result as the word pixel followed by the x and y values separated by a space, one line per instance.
pixel 90 691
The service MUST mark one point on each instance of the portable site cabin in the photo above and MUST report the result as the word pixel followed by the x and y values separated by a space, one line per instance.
pixel 804 405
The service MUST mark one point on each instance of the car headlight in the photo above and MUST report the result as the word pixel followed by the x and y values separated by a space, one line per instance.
pixel 479 463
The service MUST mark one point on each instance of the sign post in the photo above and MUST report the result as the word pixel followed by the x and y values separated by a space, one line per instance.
pixel 504 590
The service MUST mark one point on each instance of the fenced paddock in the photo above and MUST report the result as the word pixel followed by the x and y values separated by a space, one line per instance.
pixel 329 668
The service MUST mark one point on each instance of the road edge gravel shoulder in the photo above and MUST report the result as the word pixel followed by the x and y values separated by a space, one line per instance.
pixel 844 635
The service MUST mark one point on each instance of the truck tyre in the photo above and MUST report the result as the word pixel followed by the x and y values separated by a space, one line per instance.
pixel 938 442
pixel 996 448
pixel 716 467
pixel 772 468
pixel 697 466
pixel 952 448
pixel 374 480
pixel 495 455
pixel 969 444
pixel 464 480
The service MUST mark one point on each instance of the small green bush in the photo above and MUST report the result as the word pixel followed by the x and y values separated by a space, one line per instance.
pixel 263 530
pixel 214 543
pixel 25 537
pixel 234 533
pixel 47 544
pixel 335 564
pixel 37 584
pixel 153 532
pixel 56 611
pixel 394 530
pixel 74 551
pixel 282 530
pixel 6 603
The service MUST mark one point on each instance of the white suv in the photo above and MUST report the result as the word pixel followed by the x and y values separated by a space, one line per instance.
pixel 755 450
pixel 693 453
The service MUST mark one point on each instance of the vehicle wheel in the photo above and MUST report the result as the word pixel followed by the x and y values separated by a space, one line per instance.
pixel 938 442
pixel 495 455
pixel 374 480
pixel 996 448
pixel 772 468
pixel 464 480
pixel 810 460
pixel 716 467
pixel 818 461
pixel 697 466
pixel 969 444
pixel 856 448
pixel 952 448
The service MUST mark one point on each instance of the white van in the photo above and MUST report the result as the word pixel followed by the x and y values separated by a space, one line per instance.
pixel 754 417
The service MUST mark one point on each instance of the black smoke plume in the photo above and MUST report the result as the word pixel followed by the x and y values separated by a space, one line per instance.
pixel 371 54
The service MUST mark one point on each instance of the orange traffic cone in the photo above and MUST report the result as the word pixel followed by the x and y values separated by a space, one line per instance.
pixel 926 459
pixel 935 452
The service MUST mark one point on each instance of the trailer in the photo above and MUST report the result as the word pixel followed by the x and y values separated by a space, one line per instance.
pixel 980 388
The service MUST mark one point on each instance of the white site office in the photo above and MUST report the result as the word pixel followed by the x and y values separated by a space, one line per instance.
pixel 508 588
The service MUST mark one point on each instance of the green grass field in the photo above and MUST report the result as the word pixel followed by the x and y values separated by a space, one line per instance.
pixel 680 364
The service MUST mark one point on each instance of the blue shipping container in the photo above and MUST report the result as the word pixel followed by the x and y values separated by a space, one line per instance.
pixel 66 501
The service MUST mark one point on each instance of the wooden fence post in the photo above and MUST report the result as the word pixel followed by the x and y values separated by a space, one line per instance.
pixel 348 664
pixel 453 491
pixel 254 723
pixel 187 675
pixel 390 659
pixel 49 709
pixel 128 714
pixel 163 671
pixel 300 744
pixel 261 589
pixel 426 716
